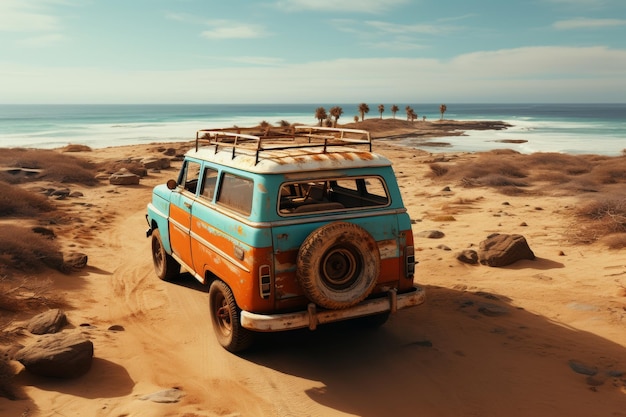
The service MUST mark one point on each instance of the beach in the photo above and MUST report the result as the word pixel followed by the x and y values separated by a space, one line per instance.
pixel 543 337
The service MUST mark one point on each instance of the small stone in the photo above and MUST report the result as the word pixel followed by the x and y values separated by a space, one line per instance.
pixel 583 369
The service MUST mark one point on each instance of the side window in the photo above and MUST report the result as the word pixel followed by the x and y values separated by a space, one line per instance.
pixel 189 176
pixel 209 183
pixel 236 193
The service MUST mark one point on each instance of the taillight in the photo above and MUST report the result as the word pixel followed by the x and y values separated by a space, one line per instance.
pixel 265 281
pixel 409 252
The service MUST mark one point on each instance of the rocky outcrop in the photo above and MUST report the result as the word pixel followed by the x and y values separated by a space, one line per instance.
pixel 50 321
pixel 124 177
pixel 59 355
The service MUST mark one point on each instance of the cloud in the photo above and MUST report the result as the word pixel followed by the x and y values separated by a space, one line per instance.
pixel 354 6
pixel 26 16
pixel 584 23
pixel 228 29
pixel 537 74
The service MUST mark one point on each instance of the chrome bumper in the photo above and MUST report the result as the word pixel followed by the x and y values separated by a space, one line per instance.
pixel 312 317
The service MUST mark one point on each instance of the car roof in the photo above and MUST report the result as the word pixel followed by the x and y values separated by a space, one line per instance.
pixel 290 160
pixel 288 150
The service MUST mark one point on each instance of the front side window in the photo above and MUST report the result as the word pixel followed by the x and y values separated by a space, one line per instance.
pixel 332 195
pixel 189 176
pixel 236 193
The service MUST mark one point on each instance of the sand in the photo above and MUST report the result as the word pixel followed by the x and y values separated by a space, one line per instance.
pixel 487 342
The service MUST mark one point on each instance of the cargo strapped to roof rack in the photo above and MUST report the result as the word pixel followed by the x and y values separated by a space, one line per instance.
pixel 258 140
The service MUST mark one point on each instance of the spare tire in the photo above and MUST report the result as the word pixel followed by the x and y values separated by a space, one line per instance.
pixel 338 265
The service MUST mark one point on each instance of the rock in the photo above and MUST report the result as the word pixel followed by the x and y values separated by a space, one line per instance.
pixel 170 152
pixel 74 260
pixel 468 256
pixel 59 355
pixel 492 310
pixel 76 194
pixel 50 321
pixel 503 249
pixel 61 192
pixel 430 234
pixel 44 231
pixel 444 247
pixel 151 163
pixel 166 396
pixel 583 369
pixel 124 178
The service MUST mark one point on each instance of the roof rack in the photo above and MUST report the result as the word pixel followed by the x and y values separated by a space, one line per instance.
pixel 258 140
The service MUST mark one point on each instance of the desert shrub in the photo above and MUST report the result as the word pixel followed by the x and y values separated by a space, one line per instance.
pixel 76 148
pixel 438 170
pixel 558 162
pixel 16 201
pixel 498 180
pixel 614 240
pixel 612 171
pixel 604 217
pixel 55 166
pixel 22 249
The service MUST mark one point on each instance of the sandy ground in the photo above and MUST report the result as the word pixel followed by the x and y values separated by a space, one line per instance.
pixel 488 341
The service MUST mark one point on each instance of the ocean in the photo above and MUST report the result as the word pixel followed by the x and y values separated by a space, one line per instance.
pixel 566 128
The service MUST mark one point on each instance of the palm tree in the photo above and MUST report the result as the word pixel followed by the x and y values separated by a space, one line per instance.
pixel 394 110
pixel 442 110
pixel 336 112
pixel 356 119
pixel 413 115
pixel 320 114
pixel 409 110
pixel 363 108
pixel 381 109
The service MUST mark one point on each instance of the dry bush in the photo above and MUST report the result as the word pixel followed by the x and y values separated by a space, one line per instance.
pixel 558 162
pixel 15 201
pixel 437 170
pixel 614 241
pixel 610 171
pixel 55 166
pixel 604 217
pixel 499 180
pixel 76 148
pixel 22 249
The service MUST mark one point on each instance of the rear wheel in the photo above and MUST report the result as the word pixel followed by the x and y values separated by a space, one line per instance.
pixel 225 315
pixel 165 266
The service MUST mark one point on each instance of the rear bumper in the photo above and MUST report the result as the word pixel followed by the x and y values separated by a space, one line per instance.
pixel 312 317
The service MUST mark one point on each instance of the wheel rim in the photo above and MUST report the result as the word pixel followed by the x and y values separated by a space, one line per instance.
pixel 340 267
pixel 222 315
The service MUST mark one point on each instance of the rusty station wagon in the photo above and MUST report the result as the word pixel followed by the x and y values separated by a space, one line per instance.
pixel 290 229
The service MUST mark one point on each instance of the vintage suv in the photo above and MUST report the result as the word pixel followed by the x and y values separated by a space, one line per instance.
pixel 290 229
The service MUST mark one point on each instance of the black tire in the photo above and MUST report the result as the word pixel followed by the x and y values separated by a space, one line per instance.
pixel 338 265
pixel 165 266
pixel 225 315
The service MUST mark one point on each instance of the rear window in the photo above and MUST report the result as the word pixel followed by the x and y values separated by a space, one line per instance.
pixel 332 195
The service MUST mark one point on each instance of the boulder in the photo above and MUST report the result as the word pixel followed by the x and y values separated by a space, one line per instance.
pixel 59 355
pixel 74 260
pixel 50 321
pixel 124 178
pixel 504 249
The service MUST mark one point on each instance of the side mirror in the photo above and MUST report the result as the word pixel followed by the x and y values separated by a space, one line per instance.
pixel 172 184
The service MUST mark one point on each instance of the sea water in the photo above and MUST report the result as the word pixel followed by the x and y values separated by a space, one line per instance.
pixel 567 128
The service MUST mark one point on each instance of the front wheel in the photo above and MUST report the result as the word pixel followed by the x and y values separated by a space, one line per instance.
pixel 165 266
pixel 225 316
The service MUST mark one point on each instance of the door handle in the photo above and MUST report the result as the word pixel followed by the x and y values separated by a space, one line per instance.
pixel 188 205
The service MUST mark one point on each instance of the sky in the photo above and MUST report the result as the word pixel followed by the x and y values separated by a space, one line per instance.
pixel 308 51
